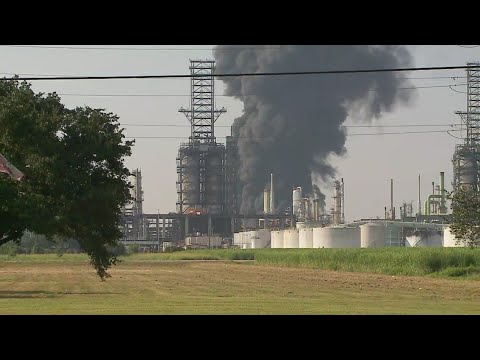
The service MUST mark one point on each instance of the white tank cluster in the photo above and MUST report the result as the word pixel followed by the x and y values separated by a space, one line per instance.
pixel 373 234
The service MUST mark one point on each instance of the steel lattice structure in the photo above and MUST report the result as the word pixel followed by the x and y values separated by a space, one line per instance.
pixel 201 162
pixel 466 160
pixel 202 114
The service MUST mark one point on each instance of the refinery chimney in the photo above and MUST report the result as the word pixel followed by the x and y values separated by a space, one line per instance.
pixel 266 201
pixel 392 209
pixel 272 198
pixel 419 200
pixel 443 209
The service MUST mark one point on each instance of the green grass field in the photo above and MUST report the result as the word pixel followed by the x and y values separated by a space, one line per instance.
pixel 443 262
pixel 277 282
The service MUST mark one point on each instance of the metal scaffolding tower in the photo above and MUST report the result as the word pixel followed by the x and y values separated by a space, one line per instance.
pixel 201 162
pixel 202 114
pixel 134 225
pixel 466 159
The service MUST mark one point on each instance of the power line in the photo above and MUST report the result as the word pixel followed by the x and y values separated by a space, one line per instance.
pixel 138 49
pixel 460 92
pixel 456 137
pixel 260 138
pixel 162 49
pixel 345 126
pixel 245 95
pixel 179 76
pixel 400 78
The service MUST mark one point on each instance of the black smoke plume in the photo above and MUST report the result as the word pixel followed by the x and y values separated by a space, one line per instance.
pixel 291 124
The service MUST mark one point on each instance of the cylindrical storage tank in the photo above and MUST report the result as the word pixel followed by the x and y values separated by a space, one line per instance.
pixel 372 235
pixel 337 237
pixel 277 239
pixel 236 239
pixel 261 239
pixel 305 238
pixel 424 238
pixel 316 234
pixel 291 239
pixel 449 239
pixel 297 198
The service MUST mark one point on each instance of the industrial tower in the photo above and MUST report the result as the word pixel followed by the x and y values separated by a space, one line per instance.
pixel 338 214
pixel 201 161
pixel 466 159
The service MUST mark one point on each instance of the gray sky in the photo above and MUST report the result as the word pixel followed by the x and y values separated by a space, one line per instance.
pixel 367 167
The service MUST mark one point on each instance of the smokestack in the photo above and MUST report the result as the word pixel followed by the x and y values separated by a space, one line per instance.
pixel 343 202
pixel 433 193
pixel 266 201
pixel 443 209
pixel 272 198
pixel 318 107
pixel 419 199
pixel 392 210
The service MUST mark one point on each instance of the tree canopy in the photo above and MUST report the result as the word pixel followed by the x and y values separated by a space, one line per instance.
pixel 466 215
pixel 75 181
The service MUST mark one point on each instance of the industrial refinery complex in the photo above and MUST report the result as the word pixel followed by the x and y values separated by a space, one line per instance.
pixel 208 188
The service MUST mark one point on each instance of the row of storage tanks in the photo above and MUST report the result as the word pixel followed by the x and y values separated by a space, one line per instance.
pixel 369 235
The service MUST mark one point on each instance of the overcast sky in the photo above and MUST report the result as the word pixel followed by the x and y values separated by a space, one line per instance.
pixel 368 166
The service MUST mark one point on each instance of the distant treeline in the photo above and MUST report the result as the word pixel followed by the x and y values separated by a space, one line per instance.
pixel 38 244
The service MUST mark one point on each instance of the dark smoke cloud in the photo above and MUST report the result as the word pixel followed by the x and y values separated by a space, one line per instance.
pixel 291 124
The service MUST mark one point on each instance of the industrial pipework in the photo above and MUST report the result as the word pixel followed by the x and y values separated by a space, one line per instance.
pixel 437 200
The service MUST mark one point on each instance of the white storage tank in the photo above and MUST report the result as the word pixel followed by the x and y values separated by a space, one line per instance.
pixel 291 239
pixel 372 235
pixel 305 238
pixel 424 238
pixel 260 239
pixel 449 239
pixel 277 239
pixel 242 238
pixel 316 234
pixel 203 241
pixel 336 237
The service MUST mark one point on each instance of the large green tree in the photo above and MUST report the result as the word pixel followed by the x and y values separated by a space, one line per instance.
pixel 75 180
pixel 466 215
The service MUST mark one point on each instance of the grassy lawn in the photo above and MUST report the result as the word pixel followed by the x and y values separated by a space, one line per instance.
pixel 143 284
